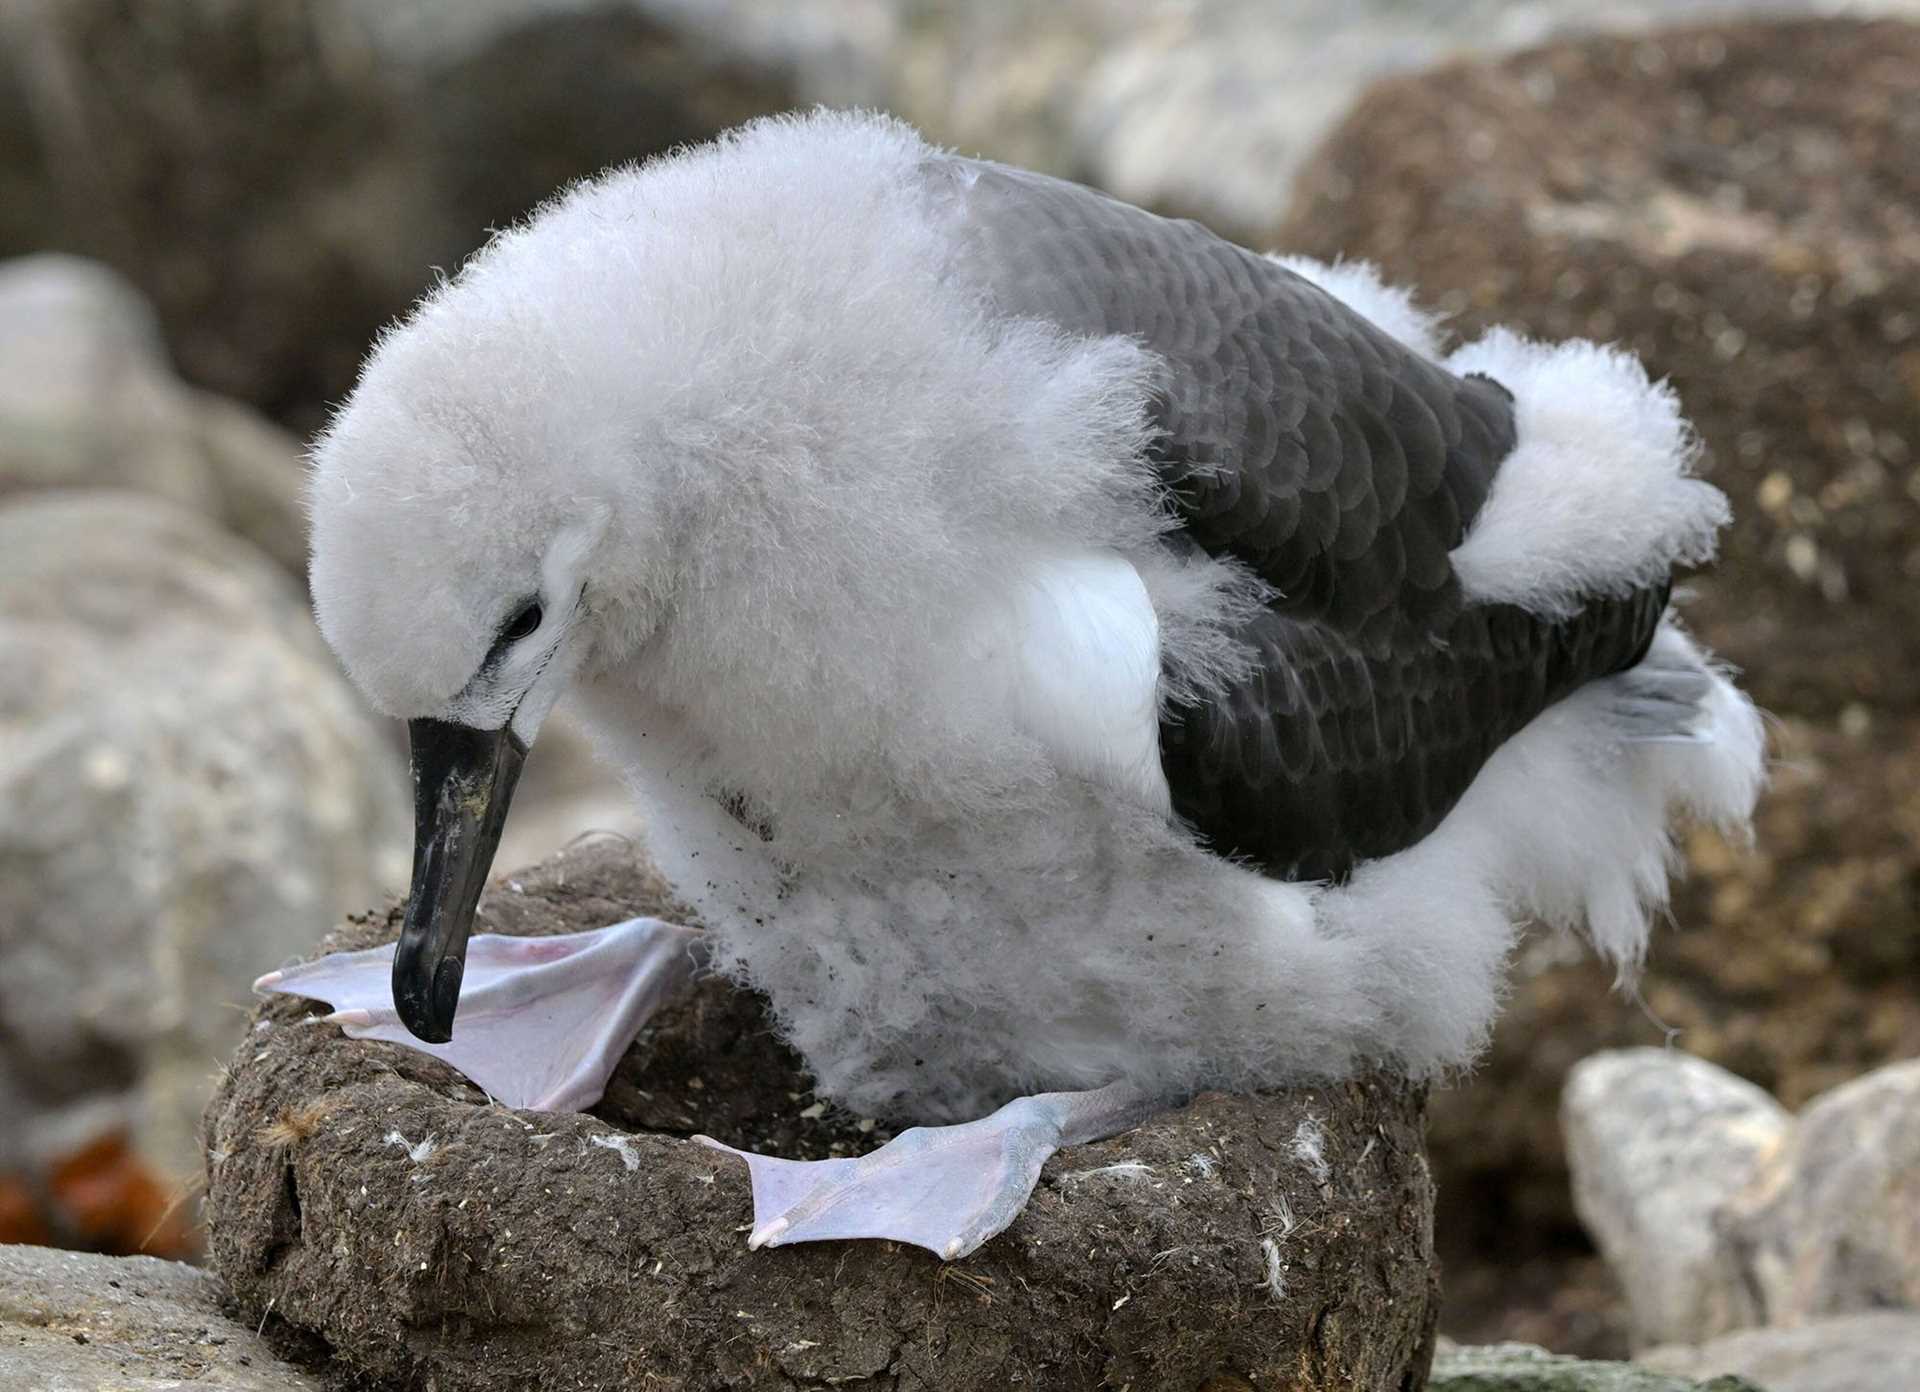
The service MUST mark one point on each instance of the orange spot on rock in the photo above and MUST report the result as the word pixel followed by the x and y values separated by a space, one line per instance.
pixel 20 1217
pixel 108 1199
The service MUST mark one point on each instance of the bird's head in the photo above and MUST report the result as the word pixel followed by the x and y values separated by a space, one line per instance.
pixel 469 563
pixel 689 418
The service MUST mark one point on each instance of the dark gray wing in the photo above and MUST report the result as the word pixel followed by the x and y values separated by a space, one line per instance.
pixel 1343 468
pixel 1333 751
pixel 1333 460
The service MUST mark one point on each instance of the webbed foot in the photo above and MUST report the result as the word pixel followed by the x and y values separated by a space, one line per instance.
pixel 542 1021
pixel 945 1188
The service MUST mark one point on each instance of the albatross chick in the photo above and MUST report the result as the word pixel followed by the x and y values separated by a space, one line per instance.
pixel 1062 656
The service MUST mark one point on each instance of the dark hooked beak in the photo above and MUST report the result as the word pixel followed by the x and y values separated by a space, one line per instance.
pixel 462 782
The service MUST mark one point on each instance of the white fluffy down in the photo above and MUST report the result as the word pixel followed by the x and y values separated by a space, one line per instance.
pixel 1596 497
pixel 946 986
pixel 819 462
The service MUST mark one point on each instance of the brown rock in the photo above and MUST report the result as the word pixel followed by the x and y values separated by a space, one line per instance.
pixel 248 167
pixel 368 1195
pixel 1735 205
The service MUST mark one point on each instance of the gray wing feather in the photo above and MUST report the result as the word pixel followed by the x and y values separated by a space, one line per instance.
pixel 1340 466
pixel 1336 462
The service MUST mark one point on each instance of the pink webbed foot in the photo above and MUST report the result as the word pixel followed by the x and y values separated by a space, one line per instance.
pixel 945 1188
pixel 542 1021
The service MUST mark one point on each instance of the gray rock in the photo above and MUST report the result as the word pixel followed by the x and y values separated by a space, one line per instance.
pixel 76 1323
pixel 1659 1142
pixel 524 1249
pixel 188 794
pixel 1718 1211
pixel 302 171
pixel 87 400
pixel 308 162
pixel 1834 1224
pixel 1255 87
pixel 1523 1368
pixel 1875 1352
pixel 1206 107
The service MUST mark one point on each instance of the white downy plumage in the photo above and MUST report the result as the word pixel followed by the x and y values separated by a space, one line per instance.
pixel 887 570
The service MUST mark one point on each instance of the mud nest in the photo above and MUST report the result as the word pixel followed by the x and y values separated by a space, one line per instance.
pixel 400 1231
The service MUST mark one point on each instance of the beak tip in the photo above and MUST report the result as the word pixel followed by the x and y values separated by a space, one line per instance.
pixel 423 1022
pixel 446 995
pixel 427 1013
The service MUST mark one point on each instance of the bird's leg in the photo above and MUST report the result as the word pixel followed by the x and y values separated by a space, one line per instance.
pixel 542 1021
pixel 945 1188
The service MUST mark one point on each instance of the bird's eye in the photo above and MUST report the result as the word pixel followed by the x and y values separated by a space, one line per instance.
pixel 522 623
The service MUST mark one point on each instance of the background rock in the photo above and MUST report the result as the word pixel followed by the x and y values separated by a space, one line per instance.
pixel 522 1249
pixel 280 182
pixel 1848 1353
pixel 71 1321
pixel 1718 1211
pixel 281 175
pixel 1659 1144
pixel 248 166
pixel 188 793
pixel 87 400
pixel 1734 205
pixel 1833 1224
pixel 1522 1368
pixel 1204 107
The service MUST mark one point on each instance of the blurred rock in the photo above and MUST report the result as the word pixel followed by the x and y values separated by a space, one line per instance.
pixel 281 175
pixel 281 183
pixel 1733 204
pixel 1718 1211
pixel 372 1196
pixel 1659 1143
pixel 188 794
pixel 1832 1225
pixel 1201 107
pixel 1522 1368
pixel 87 400
pixel 1848 1353
pixel 552 98
pixel 248 166
pixel 70 1321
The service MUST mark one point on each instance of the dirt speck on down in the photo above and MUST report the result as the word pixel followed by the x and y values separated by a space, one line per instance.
pixel 1279 1241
